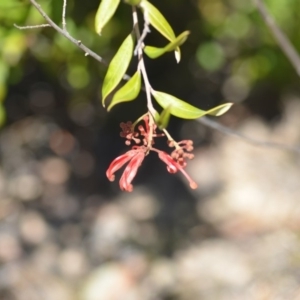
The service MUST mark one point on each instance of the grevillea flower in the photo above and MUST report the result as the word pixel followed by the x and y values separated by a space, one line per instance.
pixel 143 138
pixel 135 158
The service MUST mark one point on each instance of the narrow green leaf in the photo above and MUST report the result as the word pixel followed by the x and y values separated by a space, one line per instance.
pixel 117 67
pixel 159 22
pixel 181 109
pixel 219 110
pixel 154 52
pixel 129 91
pixel 164 118
pixel 104 13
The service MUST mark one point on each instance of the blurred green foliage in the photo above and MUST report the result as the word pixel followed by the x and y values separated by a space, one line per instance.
pixel 241 42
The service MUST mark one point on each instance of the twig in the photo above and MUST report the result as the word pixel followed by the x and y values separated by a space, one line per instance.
pixel 226 130
pixel 31 26
pixel 66 34
pixel 64 24
pixel 142 67
pixel 283 42
pixel 146 30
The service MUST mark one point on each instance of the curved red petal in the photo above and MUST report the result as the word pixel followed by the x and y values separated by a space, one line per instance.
pixel 173 167
pixel 130 172
pixel 118 163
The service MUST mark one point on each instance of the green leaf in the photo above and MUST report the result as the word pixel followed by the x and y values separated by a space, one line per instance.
pixel 154 52
pixel 117 67
pixel 164 118
pixel 219 110
pixel 159 22
pixel 104 13
pixel 181 109
pixel 129 91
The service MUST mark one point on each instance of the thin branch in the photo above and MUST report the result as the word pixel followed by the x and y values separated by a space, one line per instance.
pixel 146 30
pixel 283 42
pixel 226 130
pixel 77 43
pixel 31 26
pixel 64 24
pixel 66 34
pixel 142 67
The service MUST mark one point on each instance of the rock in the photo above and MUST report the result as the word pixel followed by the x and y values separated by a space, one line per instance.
pixel 54 170
pixel 111 281
pixel 140 204
pixel 26 187
pixel 72 263
pixel 33 228
pixel 212 265
pixel 10 248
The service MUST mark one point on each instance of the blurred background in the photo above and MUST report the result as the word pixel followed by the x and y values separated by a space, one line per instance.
pixel 66 233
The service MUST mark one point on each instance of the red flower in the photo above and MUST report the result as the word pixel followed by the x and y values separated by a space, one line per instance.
pixel 135 158
pixel 173 167
pixel 142 137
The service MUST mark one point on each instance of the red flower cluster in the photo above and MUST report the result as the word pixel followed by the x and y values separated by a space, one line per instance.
pixel 143 139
